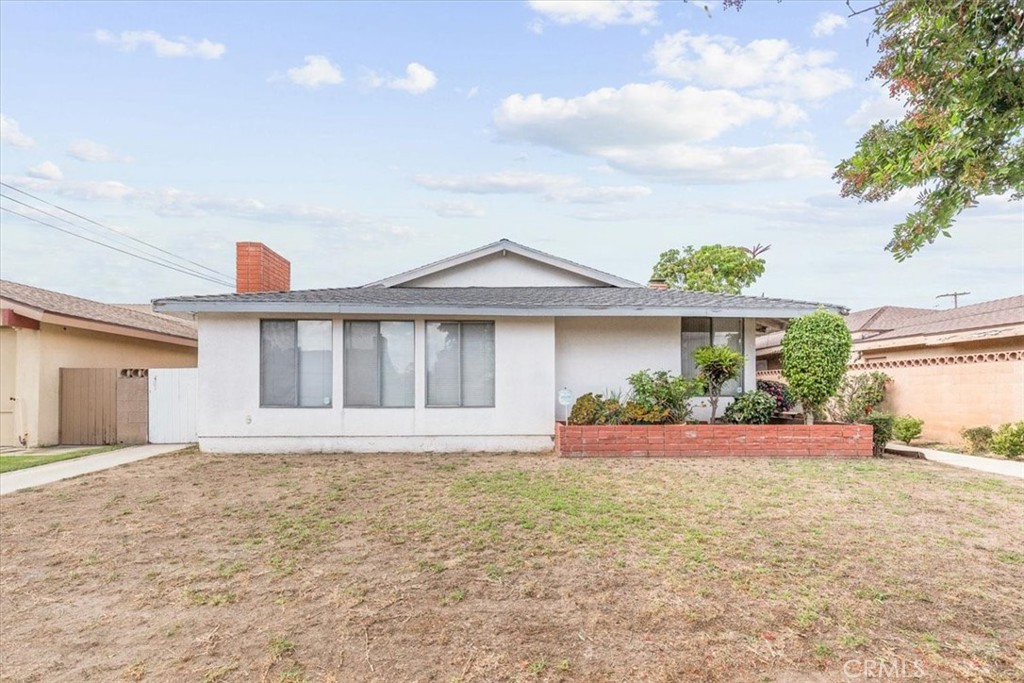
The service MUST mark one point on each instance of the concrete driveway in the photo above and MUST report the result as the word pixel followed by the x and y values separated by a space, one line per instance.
pixel 65 469
pixel 1009 468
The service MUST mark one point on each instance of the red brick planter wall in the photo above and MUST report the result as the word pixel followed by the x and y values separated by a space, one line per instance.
pixel 842 440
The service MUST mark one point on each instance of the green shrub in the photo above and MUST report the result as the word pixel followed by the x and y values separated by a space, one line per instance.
pixel 1009 440
pixel 779 391
pixel 660 392
pixel 638 414
pixel 979 439
pixel 595 409
pixel 882 424
pixel 858 395
pixel 586 409
pixel 717 365
pixel 815 351
pixel 751 408
pixel 906 428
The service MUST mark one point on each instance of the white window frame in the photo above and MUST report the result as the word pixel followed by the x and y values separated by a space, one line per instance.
pixel 494 370
pixel 380 367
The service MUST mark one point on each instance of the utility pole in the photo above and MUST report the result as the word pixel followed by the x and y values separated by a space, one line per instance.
pixel 956 297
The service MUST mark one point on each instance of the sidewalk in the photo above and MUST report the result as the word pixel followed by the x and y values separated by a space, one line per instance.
pixel 1008 468
pixel 65 469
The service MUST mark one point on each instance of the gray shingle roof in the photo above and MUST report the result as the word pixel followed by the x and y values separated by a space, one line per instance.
pixel 521 300
pixel 87 309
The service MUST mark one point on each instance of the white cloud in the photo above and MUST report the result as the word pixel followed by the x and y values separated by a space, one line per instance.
pixel 456 209
pixel 47 171
pixel 695 165
pixel 556 188
pixel 11 133
pixel 596 13
pixel 767 68
pixel 318 71
pixel 418 80
pixel 654 129
pixel 635 114
pixel 827 24
pixel 875 107
pixel 129 41
pixel 504 182
pixel 87 150
pixel 174 202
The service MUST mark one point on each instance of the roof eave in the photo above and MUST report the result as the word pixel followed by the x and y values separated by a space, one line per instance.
pixel 323 308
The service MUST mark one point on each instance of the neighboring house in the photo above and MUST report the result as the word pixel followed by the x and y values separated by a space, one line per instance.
pixel 43 331
pixel 465 354
pixel 954 368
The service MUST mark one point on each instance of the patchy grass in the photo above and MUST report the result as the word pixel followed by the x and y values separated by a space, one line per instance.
pixel 512 568
pixel 10 463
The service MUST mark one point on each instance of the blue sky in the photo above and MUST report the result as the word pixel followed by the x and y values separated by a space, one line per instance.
pixel 363 139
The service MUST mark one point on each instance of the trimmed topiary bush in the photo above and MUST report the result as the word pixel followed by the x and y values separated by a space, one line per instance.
pixel 1009 440
pixel 979 439
pixel 906 428
pixel 751 408
pixel 815 352
pixel 882 424
pixel 717 365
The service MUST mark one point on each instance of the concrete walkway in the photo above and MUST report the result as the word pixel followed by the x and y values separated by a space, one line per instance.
pixel 1008 468
pixel 65 469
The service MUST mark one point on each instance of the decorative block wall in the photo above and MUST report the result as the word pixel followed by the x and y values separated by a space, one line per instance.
pixel 826 440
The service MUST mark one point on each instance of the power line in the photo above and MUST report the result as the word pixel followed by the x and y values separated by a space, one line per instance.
pixel 109 246
pixel 94 231
pixel 114 230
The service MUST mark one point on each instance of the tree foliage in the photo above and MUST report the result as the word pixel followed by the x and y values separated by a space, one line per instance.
pixel 712 268
pixel 717 365
pixel 815 352
pixel 958 66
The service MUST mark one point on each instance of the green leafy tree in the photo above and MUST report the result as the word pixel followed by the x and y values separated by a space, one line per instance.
pixel 958 66
pixel 716 366
pixel 712 268
pixel 815 352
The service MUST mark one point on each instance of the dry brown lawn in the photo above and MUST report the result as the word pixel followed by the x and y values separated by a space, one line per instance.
pixel 405 568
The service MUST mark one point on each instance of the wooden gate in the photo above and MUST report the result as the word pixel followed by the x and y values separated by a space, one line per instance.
pixel 88 406
pixel 172 405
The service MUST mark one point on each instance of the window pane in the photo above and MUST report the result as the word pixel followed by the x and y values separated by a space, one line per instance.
pixel 362 376
pixel 443 364
pixel 729 332
pixel 398 378
pixel 696 333
pixel 278 363
pixel 477 364
pixel 314 340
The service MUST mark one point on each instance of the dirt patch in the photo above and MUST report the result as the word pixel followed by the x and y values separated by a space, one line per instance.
pixel 194 567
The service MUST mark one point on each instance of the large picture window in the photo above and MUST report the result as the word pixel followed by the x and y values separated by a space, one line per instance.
pixel 379 364
pixel 295 363
pixel 699 332
pixel 460 364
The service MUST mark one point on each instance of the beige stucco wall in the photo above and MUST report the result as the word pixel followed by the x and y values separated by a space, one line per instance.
pixel 950 387
pixel 41 353
pixel 8 369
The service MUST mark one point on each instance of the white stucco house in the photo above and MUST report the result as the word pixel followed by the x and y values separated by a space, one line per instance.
pixel 465 354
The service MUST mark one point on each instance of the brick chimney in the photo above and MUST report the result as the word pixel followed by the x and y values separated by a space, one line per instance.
pixel 260 269
pixel 657 284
